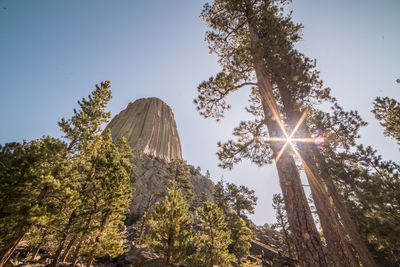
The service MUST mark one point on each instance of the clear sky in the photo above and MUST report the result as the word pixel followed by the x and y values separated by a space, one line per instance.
pixel 52 53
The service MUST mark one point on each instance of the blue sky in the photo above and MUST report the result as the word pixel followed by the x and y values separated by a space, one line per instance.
pixel 52 53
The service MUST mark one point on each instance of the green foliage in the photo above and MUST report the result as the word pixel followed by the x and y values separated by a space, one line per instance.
pixel 241 199
pixel 387 111
pixel 220 198
pixel 53 192
pixel 179 171
pixel 282 224
pixel 170 226
pixel 371 188
pixel 241 236
pixel 104 171
pixel 33 181
pixel 213 240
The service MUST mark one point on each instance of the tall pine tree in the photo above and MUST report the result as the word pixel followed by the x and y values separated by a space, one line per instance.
pixel 213 240
pixel 170 225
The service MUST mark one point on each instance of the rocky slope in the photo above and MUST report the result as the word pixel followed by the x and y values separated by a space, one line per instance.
pixel 150 179
pixel 149 126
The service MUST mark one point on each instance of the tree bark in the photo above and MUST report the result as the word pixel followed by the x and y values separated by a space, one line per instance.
pixel 76 253
pixel 307 240
pixel 68 248
pixel 322 175
pixel 365 255
pixel 57 255
pixel 37 249
pixel 9 250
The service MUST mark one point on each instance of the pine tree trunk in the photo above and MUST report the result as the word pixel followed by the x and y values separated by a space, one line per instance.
pixel 20 233
pixel 9 250
pixel 365 255
pixel 322 176
pixel 338 247
pixel 68 249
pixel 76 253
pixel 57 255
pixel 36 251
pixel 307 241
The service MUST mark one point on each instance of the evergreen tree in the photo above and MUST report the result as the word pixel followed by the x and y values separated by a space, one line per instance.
pixel 241 236
pixel 220 198
pixel 179 171
pixel 170 226
pixel 241 199
pixel 103 169
pixel 370 187
pixel 213 240
pixel 110 195
pixel 33 178
pixel 255 43
pixel 282 223
pixel 233 37
pixel 387 111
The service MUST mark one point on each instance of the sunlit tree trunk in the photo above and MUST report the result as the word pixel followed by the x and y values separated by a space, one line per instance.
pixel 320 175
pixel 307 241
pixel 68 248
pixel 309 247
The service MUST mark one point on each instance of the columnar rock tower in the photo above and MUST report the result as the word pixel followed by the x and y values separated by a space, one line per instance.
pixel 149 126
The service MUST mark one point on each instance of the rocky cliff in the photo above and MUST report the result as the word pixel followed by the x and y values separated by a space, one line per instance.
pixel 149 126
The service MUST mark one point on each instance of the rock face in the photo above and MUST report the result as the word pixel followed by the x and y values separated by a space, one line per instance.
pixel 150 179
pixel 149 126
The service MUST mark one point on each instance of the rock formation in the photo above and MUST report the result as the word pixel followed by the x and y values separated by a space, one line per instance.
pixel 149 126
pixel 150 179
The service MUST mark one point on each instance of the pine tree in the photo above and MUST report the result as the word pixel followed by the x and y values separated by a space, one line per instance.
pixel 220 198
pixel 387 111
pixel 370 187
pixel 213 240
pixel 179 171
pixel 241 236
pixel 255 43
pixel 170 226
pixel 33 178
pixel 241 199
pixel 234 38
pixel 110 195
pixel 282 223
pixel 103 188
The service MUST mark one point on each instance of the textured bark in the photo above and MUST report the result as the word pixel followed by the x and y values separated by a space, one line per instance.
pixel 334 236
pixel 307 241
pixel 68 248
pixel 364 254
pixel 148 124
pixel 76 253
pixel 338 247
pixel 90 262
